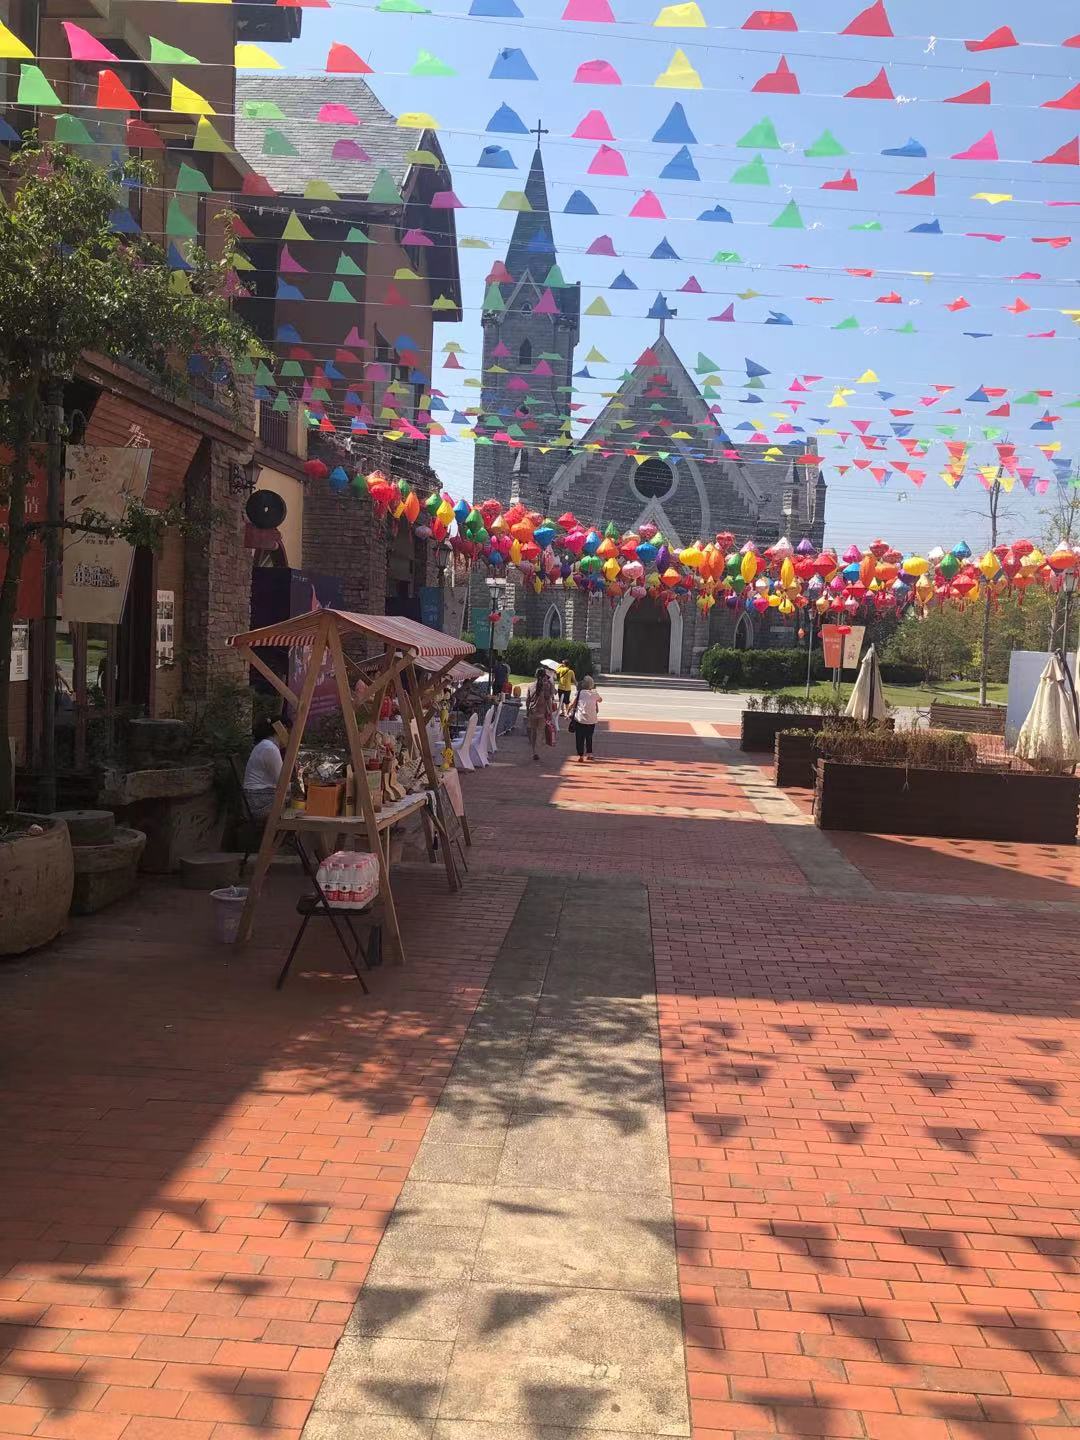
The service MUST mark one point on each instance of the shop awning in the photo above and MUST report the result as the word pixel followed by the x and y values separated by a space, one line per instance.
pixel 395 631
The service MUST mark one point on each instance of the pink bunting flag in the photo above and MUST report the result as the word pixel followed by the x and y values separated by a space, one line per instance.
pixel 728 314
pixel 337 115
pixel 1069 101
pixel 416 237
pixel 590 12
pixel 1056 242
pixel 83 45
pixel 984 149
pixel 593 127
pixel 544 368
pixel 452 363
pixel 999 39
pixel 607 161
pixel 499 275
pixel 501 351
pixel 647 207
pixel 517 383
pixel 288 265
pixel 846 182
pixel 781 81
pixel 871 21
pixel 446 200
pixel 602 246
pixel 546 305
pixel 977 95
pixel 349 150
pixel 691 287
pixel 877 89
pixel 1069 154
pixel 596 72
pixel 922 187
pixel 771 20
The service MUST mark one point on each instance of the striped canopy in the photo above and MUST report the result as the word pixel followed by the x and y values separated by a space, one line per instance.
pixel 394 630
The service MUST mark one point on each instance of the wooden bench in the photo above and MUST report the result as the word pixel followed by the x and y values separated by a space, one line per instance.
pixel 976 719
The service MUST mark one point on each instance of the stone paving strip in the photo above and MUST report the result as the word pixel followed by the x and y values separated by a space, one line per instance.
pixel 526 1284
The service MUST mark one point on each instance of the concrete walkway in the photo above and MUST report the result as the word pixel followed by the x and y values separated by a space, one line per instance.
pixel 527 1284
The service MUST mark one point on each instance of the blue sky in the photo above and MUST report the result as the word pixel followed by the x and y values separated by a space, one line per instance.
pixel 729 61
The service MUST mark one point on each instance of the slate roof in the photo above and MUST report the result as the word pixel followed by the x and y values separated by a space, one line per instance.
pixel 300 98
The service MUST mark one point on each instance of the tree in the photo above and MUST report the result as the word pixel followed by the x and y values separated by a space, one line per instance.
pixel 937 641
pixel 70 283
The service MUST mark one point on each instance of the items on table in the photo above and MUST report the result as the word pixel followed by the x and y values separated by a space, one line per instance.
pixel 349 879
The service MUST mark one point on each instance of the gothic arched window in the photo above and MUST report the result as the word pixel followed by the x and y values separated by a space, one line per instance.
pixel 525 352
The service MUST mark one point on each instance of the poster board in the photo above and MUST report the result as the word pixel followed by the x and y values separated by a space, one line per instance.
pixel 97 568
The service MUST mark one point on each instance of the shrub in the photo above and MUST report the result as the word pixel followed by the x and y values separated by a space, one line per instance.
pixel 524 656
pixel 897 672
pixel 726 669
pixel 913 749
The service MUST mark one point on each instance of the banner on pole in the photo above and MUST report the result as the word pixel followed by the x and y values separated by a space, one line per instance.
pixel 97 568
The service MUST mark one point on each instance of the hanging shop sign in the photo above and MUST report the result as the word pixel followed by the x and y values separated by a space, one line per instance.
pixel 97 568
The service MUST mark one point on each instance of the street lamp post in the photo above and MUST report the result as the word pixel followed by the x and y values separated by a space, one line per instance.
pixel 493 615
pixel 1068 585
pixel 443 553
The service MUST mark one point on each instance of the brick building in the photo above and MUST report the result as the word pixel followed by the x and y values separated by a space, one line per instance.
pixel 169 648
pixel 687 484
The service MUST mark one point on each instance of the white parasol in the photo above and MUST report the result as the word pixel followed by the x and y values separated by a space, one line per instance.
pixel 867 699
pixel 1049 736
pixel 550 664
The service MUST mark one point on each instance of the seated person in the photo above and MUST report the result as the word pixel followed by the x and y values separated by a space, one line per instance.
pixel 263 767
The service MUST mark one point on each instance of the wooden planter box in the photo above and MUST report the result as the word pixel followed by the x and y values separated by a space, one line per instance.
pixel 795 758
pixel 759 728
pixel 957 804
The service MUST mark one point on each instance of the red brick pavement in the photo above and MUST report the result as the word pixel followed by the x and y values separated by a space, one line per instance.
pixel 872 1110
pixel 196 1169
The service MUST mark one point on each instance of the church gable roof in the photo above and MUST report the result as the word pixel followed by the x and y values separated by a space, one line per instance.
pixel 659 360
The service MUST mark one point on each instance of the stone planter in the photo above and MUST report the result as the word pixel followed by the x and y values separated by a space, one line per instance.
pixel 957 804
pixel 106 872
pixel 36 880
pixel 759 728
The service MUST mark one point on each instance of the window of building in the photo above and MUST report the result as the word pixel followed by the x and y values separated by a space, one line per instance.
pixel 653 479
pixel 553 624
pixel 525 352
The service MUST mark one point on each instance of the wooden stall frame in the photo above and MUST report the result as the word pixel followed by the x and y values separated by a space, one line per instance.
pixel 322 630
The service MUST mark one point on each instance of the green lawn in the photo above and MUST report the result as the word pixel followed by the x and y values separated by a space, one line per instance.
pixel 954 692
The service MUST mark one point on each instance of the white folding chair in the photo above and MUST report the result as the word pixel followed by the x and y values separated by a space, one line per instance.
pixel 463 745
pixel 493 744
pixel 481 746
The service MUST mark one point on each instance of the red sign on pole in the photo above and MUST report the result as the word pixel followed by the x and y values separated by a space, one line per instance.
pixel 30 600
pixel 832 642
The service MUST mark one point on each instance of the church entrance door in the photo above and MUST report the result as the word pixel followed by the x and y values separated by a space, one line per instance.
pixel 646 640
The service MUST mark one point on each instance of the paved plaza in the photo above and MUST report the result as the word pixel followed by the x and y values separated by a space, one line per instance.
pixel 684 1119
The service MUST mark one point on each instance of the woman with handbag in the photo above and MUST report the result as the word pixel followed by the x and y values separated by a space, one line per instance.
pixel 540 709
pixel 583 717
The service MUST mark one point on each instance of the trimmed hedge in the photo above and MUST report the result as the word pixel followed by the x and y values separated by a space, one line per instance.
pixel 524 656
pixel 899 673
pixel 726 669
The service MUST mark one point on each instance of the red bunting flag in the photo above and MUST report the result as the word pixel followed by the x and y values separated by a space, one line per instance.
pixel 256 185
pixel 871 21
pixel 891 299
pixel 1018 307
pixel 781 81
pixel 878 89
pixel 846 182
pixel 1069 154
pixel 1068 101
pixel 999 39
pixel 922 187
pixel 978 95
pixel 984 149
pixel 343 60
pixel 113 94
pixel 1073 42
pixel 141 136
pixel 771 20
pixel 959 304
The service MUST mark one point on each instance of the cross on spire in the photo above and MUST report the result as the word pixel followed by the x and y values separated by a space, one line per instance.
pixel 538 132
pixel 664 318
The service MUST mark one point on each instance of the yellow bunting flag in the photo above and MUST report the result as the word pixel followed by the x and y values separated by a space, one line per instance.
pixel 208 139
pixel 679 75
pixel 417 120
pixel 188 101
pixel 254 57
pixel 11 47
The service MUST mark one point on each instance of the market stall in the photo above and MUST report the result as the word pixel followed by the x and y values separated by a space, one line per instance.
pixel 392 674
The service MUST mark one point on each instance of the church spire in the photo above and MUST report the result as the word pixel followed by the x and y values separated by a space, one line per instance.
pixel 532 246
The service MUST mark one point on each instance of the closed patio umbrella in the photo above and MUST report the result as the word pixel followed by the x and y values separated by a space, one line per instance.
pixel 867 698
pixel 1049 737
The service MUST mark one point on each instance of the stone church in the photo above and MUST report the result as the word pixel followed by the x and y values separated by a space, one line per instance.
pixel 531 325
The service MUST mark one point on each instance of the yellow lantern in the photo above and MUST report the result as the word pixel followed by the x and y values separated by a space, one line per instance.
pixel 916 565
pixel 748 567
pixel 787 573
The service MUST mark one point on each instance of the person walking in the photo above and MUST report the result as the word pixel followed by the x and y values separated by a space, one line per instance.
pixel 540 709
pixel 585 713
pixel 564 681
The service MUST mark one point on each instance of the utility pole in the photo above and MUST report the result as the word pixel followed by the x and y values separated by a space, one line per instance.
pixel 53 536
pixel 995 500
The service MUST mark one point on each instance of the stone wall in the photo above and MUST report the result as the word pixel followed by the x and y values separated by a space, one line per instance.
pixel 217 574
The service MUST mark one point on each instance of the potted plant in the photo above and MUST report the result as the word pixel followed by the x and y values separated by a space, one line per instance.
pixel 37 876
pixel 764 718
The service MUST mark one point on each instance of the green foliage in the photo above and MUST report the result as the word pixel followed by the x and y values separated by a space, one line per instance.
pixel 939 642
pixel 948 641
pixel 899 673
pixel 221 726
pixel 524 656
pixel 781 703
pixel 726 669
pixel 914 749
